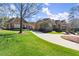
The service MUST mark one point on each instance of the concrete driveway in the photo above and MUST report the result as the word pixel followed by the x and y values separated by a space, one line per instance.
pixel 56 39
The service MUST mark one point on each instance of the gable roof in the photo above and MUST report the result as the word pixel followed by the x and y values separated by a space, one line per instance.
pixel 13 19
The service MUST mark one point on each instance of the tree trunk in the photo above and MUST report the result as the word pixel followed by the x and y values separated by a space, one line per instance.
pixel 21 18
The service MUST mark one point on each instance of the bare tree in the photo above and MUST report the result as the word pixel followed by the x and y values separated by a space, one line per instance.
pixel 26 10
pixel 74 17
pixel 4 9
pixel 22 10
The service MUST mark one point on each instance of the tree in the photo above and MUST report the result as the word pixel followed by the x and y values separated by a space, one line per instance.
pixel 74 17
pixel 21 10
pixel 71 16
pixel 26 10
pixel 4 13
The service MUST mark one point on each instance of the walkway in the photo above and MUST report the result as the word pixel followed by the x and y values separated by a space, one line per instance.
pixel 56 39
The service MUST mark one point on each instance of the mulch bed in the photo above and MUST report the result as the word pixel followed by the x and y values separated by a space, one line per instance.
pixel 73 38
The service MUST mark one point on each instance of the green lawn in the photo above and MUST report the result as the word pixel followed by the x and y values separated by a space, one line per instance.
pixel 55 32
pixel 27 44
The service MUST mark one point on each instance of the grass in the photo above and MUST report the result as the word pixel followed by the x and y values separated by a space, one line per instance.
pixel 55 32
pixel 27 44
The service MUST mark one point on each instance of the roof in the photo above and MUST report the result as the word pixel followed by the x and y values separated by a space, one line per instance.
pixel 13 19
pixel 44 19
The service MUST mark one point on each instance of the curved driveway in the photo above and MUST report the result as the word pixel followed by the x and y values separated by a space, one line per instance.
pixel 56 39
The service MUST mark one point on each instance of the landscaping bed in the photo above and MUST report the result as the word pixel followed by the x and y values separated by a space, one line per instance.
pixel 73 38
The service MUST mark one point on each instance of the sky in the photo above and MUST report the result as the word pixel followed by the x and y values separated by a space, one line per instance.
pixel 56 11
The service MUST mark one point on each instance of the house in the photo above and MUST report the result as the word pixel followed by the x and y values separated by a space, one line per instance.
pixel 61 25
pixel 31 25
pixel 45 25
pixel 56 25
pixel 14 23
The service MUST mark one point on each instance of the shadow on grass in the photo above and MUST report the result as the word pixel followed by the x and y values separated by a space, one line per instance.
pixel 7 35
pixel 8 38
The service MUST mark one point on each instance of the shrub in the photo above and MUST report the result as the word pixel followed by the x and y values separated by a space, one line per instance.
pixel 46 27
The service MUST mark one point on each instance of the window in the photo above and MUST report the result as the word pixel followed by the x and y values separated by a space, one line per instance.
pixel 16 25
